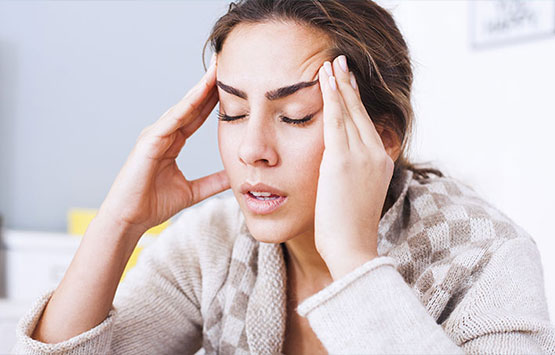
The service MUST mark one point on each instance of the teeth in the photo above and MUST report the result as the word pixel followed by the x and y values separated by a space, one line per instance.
pixel 261 194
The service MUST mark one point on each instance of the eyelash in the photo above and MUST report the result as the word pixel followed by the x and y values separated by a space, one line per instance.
pixel 300 122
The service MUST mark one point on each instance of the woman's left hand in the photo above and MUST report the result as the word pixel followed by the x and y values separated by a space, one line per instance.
pixel 355 173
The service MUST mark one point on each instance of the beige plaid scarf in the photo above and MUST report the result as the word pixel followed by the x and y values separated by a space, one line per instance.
pixel 440 232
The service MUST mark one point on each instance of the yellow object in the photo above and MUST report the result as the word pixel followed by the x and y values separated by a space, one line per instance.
pixel 144 242
pixel 159 228
pixel 78 220
pixel 132 261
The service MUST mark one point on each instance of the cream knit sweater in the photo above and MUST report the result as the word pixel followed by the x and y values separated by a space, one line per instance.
pixel 454 276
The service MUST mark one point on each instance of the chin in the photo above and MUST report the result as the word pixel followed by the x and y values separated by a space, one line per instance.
pixel 268 230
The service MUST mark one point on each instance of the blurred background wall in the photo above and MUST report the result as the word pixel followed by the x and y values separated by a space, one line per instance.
pixel 485 113
pixel 79 80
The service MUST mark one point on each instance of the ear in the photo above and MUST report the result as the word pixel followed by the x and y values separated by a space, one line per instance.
pixel 391 142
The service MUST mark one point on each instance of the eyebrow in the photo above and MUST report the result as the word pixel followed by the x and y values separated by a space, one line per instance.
pixel 270 95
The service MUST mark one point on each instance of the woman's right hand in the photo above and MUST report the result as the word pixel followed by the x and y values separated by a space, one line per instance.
pixel 150 188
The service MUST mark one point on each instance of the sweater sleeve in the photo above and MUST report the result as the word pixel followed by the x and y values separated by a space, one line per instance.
pixel 156 309
pixel 374 309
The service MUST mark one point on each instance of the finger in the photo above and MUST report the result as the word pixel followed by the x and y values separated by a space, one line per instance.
pixel 209 185
pixel 353 137
pixel 176 146
pixel 178 139
pixel 354 105
pixel 335 135
pixel 188 130
pixel 189 107
pixel 191 128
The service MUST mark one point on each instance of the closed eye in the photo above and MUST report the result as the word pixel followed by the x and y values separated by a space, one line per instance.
pixel 224 117
pixel 304 120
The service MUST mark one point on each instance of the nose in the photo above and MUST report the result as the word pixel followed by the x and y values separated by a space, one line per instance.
pixel 257 147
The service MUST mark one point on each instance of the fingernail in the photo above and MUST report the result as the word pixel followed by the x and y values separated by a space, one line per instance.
pixel 343 62
pixel 332 83
pixel 213 59
pixel 353 80
pixel 327 67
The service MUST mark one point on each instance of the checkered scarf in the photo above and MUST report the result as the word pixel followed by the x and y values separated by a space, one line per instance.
pixel 440 232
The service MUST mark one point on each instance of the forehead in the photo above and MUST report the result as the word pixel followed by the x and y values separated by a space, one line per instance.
pixel 271 54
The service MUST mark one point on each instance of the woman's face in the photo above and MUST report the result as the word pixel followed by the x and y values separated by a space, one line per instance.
pixel 263 145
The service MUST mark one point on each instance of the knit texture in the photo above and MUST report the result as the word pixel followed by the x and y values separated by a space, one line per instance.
pixel 454 275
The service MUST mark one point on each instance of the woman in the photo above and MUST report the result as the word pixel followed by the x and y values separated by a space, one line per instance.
pixel 333 241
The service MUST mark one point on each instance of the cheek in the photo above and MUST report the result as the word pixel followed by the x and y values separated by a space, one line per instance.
pixel 305 155
pixel 308 157
pixel 226 145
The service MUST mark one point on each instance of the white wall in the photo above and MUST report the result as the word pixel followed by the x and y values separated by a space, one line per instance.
pixel 78 82
pixel 486 116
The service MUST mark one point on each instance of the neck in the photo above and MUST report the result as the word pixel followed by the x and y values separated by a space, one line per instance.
pixel 305 266
pixel 303 261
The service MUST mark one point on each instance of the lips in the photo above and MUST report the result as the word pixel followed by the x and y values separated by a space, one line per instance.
pixel 260 187
pixel 260 202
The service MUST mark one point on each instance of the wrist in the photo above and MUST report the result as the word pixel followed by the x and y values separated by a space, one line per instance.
pixel 105 226
pixel 113 220
pixel 340 264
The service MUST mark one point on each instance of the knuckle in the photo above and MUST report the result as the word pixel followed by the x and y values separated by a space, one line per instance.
pixel 190 92
pixel 167 113
pixel 390 165
pixel 204 84
pixel 386 162
pixel 364 159
pixel 343 79
pixel 143 141
pixel 359 109
pixel 380 160
pixel 198 87
pixel 343 162
pixel 144 132
pixel 337 121
pixel 189 107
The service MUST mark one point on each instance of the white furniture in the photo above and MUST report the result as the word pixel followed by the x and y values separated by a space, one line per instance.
pixel 34 262
pixel 10 313
pixel 30 264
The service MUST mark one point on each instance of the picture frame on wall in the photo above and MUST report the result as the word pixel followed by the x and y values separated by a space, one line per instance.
pixel 502 22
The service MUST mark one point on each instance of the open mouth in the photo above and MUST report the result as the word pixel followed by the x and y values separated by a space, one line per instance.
pixel 263 196
pixel 263 203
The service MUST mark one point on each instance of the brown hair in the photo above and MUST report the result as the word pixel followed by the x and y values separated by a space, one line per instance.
pixel 368 36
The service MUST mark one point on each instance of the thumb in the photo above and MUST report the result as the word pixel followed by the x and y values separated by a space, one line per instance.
pixel 209 185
